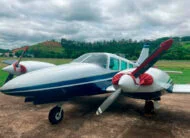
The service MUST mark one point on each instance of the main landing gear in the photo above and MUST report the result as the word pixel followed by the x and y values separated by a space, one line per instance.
pixel 149 107
pixel 56 114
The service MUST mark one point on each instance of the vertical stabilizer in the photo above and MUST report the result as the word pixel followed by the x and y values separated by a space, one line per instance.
pixel 144 54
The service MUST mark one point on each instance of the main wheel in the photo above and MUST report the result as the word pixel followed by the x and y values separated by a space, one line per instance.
pixel 56 115
pixel 149 107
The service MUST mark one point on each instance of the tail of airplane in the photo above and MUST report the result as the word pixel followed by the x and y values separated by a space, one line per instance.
pixel 144 54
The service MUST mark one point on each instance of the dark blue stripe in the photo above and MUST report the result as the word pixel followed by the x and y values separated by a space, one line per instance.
pixel 144 95
pixel 62 83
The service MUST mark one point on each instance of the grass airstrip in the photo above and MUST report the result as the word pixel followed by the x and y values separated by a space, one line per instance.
pixel 174 65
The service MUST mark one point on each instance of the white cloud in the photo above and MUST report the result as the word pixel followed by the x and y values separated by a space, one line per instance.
pixel 24 22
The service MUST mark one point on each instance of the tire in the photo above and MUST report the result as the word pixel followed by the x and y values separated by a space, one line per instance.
pixel 54 115
pixel 149 107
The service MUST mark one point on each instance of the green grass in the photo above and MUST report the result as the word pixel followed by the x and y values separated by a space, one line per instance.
pixel 186 44
pixel 177 65
pixel 183 66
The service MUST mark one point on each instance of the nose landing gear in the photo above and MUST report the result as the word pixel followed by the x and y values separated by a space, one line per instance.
pixel 56 115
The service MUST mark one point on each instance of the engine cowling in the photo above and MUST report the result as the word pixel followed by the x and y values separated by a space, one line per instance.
pixel 128 83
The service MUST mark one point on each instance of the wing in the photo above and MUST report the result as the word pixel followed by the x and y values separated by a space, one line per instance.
pixel 173 72
pixel 181 88
pixel 110 89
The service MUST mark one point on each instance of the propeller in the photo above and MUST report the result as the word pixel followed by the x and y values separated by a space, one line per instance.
pixel 108 102
pixel 21 56
pixel 153 58
pixel 14 66
pixel 128 82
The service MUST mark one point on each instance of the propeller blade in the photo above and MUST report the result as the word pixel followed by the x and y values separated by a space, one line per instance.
pixel 10 76
pixel 108 102
pixel 153 58
pixel 21 56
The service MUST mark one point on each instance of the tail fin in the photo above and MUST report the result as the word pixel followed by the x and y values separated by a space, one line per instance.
pixel 144 54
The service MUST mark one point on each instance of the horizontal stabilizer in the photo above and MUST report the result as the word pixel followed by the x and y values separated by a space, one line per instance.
pixel 181 88
pixel 9 62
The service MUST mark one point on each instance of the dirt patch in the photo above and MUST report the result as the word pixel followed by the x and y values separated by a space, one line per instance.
pixel 123 119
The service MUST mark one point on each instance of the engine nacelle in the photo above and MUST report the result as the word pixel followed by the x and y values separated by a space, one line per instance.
pixel 26 66
pixel 127 83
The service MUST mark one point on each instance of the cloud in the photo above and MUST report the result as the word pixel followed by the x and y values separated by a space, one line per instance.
pixel 24 22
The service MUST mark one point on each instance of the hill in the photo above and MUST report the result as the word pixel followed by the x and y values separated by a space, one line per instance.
pixel 4 50
pixel 47 49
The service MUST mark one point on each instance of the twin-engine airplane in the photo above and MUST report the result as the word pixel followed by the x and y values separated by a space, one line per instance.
pixel 41 82
pixel 92 74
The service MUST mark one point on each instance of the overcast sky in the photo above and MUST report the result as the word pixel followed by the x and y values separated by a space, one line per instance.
pixel 25 22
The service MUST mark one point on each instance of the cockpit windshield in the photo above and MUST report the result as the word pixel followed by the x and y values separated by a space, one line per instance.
pixel 95 58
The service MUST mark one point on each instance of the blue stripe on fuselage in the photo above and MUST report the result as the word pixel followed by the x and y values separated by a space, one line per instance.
pixel 62 83
pixel 63 94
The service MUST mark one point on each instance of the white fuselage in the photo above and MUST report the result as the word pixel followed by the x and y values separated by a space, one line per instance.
pixel 54 75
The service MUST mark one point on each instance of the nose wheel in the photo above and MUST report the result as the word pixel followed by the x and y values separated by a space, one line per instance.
pixel 56 115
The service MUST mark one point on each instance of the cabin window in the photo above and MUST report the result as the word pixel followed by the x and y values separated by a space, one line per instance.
pixel 123 65
pixel 114 64
pixel 130 65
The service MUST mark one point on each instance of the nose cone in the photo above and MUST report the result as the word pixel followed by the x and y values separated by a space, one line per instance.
pixel 7 86
pixel 9 69
pixel 127 84
pixel 4 88
pixel 124 81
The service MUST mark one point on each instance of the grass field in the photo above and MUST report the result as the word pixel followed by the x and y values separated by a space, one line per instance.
pixel 183 66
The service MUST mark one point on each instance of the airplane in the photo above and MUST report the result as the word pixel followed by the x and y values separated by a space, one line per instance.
pixel 144 82
pixel 90 74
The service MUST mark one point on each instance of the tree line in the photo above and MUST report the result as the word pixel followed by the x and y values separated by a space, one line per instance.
pixel 130 48
pixel 127 47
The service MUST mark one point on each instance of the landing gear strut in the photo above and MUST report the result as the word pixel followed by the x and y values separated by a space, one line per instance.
pixel 56 114
pixel 149 107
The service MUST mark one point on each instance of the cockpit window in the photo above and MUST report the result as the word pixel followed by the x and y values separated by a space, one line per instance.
pixel 99 59
pixel 81 58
